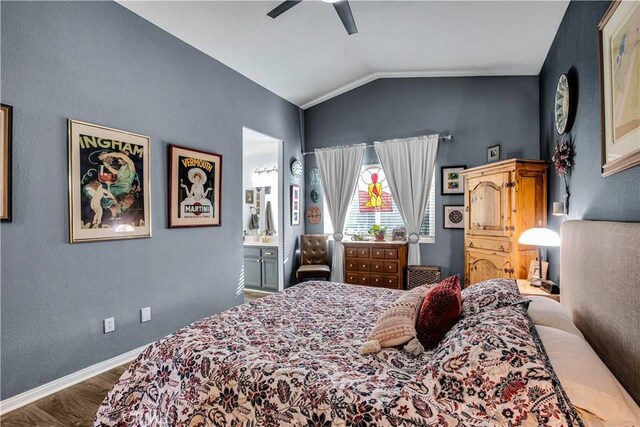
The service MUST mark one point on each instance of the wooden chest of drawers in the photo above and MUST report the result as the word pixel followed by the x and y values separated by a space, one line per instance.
pixel 380 264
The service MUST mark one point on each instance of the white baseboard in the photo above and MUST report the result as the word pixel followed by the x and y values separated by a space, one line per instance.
pixel 44 390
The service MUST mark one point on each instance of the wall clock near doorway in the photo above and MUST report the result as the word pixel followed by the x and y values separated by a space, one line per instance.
pixel 296 168
pixel 562 105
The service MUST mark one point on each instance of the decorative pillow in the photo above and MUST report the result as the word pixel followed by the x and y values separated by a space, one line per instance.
pixel 439 312
pixel 489 295
pixel 396 325
pixel 587 380
pixel 547 312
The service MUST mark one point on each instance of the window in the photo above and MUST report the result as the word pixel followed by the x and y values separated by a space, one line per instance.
pixel 372 203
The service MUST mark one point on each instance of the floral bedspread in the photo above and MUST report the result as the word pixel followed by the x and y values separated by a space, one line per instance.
pixel 292 359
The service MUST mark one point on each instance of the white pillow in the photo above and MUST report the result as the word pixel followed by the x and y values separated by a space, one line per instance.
pixel 586 379
pixel 548 312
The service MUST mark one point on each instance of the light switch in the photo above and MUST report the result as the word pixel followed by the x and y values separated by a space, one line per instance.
pixel 145 314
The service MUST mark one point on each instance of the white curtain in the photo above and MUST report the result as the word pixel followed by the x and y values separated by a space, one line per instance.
pixel 408 165
pixel 339 170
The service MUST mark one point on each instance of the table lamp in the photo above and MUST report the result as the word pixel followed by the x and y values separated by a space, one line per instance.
pixel 539 237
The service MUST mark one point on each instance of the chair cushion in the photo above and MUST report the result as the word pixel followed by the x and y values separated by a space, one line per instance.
pixel 314 268
pixel 440 310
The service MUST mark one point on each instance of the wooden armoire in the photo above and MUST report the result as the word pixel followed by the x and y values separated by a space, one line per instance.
pixel 502 200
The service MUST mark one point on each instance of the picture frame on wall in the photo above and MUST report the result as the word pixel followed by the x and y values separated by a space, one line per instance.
pixel 195 188
pixel 453 216
pixel 6 153
pixel 248 197
pixel 452 182
pixel 619 86
pixel 295 205
pixel 109 183
pixel 493 153
pixel 534 271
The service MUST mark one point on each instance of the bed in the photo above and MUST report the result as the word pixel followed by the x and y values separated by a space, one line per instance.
pixel 293 359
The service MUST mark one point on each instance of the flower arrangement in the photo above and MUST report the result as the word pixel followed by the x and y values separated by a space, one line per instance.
pixel 378 231
pixel 562 157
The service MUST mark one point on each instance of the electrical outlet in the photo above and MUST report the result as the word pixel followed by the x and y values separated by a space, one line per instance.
pixel 145 314
pixel 109 325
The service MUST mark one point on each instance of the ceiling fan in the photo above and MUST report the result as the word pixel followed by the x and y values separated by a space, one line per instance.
pixel 341 6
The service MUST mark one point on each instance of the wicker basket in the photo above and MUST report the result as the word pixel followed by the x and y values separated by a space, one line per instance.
pixel 418 275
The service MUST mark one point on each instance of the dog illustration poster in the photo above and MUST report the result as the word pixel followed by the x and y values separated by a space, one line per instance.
pixel 194 188
pixel 109 183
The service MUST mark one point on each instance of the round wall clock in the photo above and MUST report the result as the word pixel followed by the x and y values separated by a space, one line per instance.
pixel 315 196
pixel 296 168
pixel 562 104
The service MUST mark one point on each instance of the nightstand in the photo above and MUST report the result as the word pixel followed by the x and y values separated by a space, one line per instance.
pixel 527 290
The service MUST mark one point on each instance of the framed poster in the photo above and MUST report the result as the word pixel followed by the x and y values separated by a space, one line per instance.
pixel 6 124
pixel 109 183
pixel 619 35
pixel 295 205
pixel 195 192
pixel 453 216
pixel 452 182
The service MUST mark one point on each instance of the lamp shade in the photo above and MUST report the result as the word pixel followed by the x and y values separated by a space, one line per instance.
pixel 539 237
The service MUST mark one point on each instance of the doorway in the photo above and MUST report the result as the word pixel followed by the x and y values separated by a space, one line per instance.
pixel 262 214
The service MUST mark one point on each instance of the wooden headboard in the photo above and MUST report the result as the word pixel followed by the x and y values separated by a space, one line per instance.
pixel 600 286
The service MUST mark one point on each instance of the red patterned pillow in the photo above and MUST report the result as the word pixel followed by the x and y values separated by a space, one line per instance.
pixel 440 310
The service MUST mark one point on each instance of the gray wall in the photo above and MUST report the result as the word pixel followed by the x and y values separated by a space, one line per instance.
pixel 98 62
pixel 575 51
pixel 478 111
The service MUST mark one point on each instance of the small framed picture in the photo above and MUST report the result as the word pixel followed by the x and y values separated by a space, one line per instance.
pixel 534 271
pixel 399 234
pixel 6 124
pixel 248 197
pixel 195 196
pixel 109 183
pixel 295 205
pixel 452 182
pixel 493 153
pixel 453 216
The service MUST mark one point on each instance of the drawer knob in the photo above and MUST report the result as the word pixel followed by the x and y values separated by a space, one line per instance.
pixel 364 265
pixel 501 248
pixel 470 244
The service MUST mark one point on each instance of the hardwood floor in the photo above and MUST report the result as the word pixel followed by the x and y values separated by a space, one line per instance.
pixel 72 407
pixel 254 295
pixel 77 405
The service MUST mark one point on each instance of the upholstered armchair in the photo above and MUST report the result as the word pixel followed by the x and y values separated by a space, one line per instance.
pixel 314 262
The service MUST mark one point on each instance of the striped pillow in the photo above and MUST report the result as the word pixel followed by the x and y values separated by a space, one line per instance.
pixel 396 325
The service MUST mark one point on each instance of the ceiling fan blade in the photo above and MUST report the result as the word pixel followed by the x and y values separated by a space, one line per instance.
pixel 282 8
pixel 344 12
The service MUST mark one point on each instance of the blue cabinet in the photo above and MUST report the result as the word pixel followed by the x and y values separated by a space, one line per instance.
pixel 261 268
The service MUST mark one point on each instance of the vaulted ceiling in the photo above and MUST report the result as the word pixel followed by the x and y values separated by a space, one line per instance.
pixel 306 56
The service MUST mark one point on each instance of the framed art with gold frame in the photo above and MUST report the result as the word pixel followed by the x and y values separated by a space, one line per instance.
pixel 619 37
pixel 195 192
pixel 6 124
pixel 109 183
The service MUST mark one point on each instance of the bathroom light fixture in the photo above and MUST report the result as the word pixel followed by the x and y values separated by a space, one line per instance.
pixel 265 170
